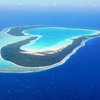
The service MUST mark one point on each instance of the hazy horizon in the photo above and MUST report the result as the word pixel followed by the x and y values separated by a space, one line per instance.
pixel 49 4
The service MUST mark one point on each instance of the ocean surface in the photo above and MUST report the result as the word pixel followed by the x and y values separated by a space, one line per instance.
pixel 77 79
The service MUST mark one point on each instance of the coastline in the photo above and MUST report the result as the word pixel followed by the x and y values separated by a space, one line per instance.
pixel 61 62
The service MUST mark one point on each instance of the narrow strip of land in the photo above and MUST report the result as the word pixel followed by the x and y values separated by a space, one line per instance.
pixel 12 52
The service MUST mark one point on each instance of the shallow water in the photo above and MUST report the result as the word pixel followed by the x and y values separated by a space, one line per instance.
pixel 54 37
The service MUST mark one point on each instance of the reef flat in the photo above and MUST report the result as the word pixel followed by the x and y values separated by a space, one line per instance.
pixel 17 59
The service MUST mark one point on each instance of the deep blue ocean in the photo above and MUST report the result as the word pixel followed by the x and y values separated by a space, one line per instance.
pixel 77 79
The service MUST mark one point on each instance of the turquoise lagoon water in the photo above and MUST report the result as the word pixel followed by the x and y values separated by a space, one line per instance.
pixel 54 37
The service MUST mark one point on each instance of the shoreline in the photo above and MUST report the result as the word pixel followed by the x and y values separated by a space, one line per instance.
pixel 56 64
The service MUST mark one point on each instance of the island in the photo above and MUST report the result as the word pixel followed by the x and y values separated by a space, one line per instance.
pixel 38 48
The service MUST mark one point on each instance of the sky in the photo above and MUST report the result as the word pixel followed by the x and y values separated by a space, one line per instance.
pixel 49 3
